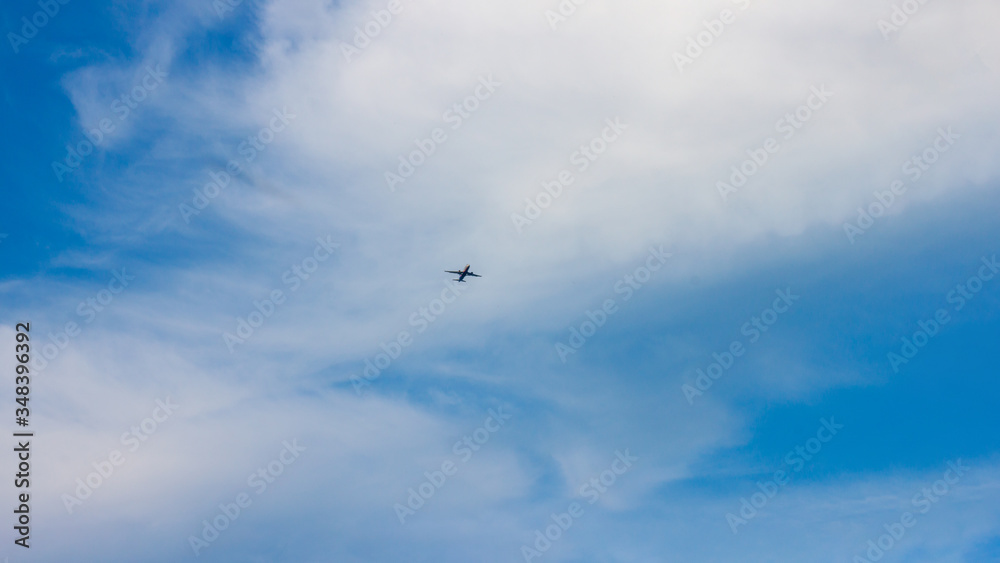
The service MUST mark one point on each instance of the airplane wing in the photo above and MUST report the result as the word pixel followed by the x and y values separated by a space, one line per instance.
pixel 453 272
pixel 474 275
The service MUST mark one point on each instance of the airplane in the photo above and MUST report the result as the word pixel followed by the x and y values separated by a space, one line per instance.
pixel 461 275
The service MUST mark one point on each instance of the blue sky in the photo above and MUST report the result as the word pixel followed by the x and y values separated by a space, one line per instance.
pixel 208 287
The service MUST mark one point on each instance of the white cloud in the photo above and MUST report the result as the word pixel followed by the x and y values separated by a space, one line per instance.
pixel 324 175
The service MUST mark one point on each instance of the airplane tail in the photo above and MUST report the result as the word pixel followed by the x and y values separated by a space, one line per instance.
pixel 460 281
